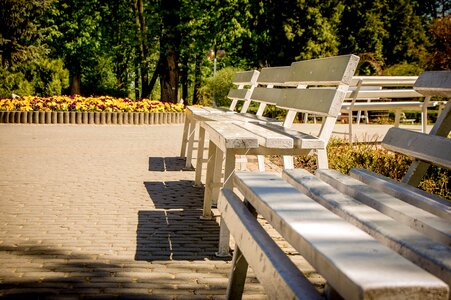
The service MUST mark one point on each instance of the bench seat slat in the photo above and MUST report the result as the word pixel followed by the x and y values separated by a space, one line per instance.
pixel 267 138
pixel 415 246
pixel 423 221
pixel 354 263
pixel 422 146
pixel 227 135
pixel 424 200
pixel 277 273
pixel 301 140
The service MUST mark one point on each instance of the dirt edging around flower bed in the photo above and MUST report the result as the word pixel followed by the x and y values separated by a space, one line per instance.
pixel 84 117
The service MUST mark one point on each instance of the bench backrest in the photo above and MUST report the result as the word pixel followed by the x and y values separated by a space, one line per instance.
pixel 377 87
pixel 269 78
pixel 426 147
pixel 434 148
pixel 245 81
pixel 434 83
pixel 333 74
pixel 321 86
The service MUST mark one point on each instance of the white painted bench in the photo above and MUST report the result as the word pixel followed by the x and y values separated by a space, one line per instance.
pixel 384 93
pixel 369 237
pixel 245 82
pixel 228 139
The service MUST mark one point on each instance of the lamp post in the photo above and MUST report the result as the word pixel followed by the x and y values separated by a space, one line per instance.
pixel 215 55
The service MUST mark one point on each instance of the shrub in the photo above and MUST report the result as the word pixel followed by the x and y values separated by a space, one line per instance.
pixel 344 156
pixel 217 88
pixel 42 77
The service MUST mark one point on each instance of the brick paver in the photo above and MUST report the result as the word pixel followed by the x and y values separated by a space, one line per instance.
pixel 102 212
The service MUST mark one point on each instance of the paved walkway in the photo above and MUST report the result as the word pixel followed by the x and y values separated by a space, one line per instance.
pixel 106 211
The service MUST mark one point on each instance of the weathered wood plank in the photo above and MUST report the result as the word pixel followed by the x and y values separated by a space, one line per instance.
pixel 274 76
pixel 325 102
pixel 383 93
pixel 228 136
pixel 300 140
pixel 245 77
pixel 423 221
pixel 418 248
pixel 424 200
pixel 384 80
pixel 277 273
pixel 354 263
pixel 239 94
pixel 266 137
pixel 395 105
pixel 434 83
pixel 331 70
pixel 426 147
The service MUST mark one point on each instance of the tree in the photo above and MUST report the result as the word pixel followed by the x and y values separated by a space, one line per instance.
pixel 76 36
pixel 20 30
pixel 440 54
pixel 169 49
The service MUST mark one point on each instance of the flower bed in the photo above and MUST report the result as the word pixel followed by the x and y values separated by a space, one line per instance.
pixel 95 104
pixel 89 110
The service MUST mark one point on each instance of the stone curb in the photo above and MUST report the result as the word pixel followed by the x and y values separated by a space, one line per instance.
pixel 100 118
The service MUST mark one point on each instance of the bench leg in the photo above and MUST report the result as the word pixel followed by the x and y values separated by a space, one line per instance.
pixel 261 163
pixel 189 154
pixel 288 162
pixel 206 212
pixel 185 137
pixel 351 133
pixel 397 118
pixel 224 233
pixel 217 173
pixel 237 276
pixel 240 265
pixel 322 159
pixel 200 157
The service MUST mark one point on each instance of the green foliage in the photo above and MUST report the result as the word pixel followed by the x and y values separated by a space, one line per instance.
pixel 14 82
pixel 100 79
pixel 217 88
pixel 20 30
pixel 403 69
pixel 42 77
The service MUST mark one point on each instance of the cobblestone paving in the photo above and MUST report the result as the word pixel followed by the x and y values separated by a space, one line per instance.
pixel 104 212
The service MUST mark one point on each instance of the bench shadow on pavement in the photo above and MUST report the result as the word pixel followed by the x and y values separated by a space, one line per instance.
pixel 173 230
pixel 66 274
pixel 162 164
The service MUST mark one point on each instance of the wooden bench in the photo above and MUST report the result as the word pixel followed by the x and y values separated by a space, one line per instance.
pixel 245 82
pixel 384 93
pixel 272 77
pixel 228 139
pixel 369 237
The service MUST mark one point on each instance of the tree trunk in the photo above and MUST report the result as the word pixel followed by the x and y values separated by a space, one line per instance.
pixel 75 75
pixel 169 77
pixel 169 45
pixel 197 80
pixel 154 78
pixel 184 79
pixel 75 84
pixel 141 33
